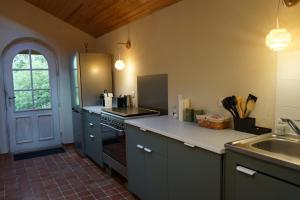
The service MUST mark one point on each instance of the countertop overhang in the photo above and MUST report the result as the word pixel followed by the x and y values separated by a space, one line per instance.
pixel 190 133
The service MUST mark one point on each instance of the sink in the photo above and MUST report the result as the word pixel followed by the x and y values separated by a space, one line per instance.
pixel 281 149
pixel 279 146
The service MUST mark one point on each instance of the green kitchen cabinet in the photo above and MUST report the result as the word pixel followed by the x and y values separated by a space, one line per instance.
pixel 146 164
pixel 193 173
pixel 248 178
pixel 92 137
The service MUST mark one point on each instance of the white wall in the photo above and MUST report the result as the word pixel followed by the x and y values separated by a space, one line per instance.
pixel 210 49
pixel 19 19
pixel 288 85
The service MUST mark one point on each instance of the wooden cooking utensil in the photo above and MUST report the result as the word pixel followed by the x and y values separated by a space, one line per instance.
pixel 239 106
pixel 250 107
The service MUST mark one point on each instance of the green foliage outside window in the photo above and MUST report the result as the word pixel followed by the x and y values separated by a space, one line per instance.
pixel 31 81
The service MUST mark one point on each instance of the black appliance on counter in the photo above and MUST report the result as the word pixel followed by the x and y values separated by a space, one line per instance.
pixel 113 135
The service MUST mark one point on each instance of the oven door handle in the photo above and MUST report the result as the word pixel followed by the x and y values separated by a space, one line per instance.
pixel 108 126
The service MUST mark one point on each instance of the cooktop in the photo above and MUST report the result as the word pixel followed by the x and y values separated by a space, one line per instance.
pixel 130 112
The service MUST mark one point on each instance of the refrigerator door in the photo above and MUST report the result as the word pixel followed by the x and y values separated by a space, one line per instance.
pixel 95 76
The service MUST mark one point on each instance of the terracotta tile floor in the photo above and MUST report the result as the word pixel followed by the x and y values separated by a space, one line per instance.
pixel 60 176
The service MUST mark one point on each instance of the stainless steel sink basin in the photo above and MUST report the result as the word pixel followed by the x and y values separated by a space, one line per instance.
pixel 283 149
pixel 280 146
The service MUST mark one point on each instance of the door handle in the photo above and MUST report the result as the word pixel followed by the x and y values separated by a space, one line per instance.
pixel 245 170
pixel 11 98
pixel 91 124
pixel 147 150
pixel 92 136
pixel 189 145
pixel 139 147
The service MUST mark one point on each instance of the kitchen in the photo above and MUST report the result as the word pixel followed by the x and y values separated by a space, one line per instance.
pixel 209 51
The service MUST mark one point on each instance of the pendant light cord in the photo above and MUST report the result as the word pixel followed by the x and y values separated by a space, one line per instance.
pixel 277 18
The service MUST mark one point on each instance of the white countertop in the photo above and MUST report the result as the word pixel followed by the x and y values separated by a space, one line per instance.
pixel 191 133
pixel 94 109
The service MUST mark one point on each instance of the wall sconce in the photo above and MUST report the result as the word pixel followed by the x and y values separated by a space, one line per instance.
pixel 119 64
pixel 279 38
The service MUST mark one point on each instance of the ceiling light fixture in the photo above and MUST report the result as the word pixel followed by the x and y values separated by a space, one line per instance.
pixel 279 38
pixel 119 64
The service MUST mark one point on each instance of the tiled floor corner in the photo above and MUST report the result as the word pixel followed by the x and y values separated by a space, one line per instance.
pixel 60 176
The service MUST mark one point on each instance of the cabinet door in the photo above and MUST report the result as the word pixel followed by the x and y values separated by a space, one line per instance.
pixel 93 141
pixel 261 187
pixel 156 177
pixel 135 161
pixel 193 173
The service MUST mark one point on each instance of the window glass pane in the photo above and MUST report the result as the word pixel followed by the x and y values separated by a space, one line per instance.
pixel 76 90
pixel 40 79
pixel 23 100
pixel 21 60
pixel 42 99
pixel 38 61
pixel 22 80
pixel 75 73
pixel 75 62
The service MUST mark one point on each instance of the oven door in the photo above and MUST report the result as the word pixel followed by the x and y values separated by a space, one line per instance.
pixel 113 141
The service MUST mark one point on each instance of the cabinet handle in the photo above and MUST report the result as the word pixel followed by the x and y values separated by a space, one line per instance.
pixel 147 150
pixel 142 129
pixel 139 146
pixel 189 145
pixel 92 136
pixel 91 124
pixel 245 170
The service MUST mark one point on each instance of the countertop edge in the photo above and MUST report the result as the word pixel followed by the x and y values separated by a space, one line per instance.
pixel 208 148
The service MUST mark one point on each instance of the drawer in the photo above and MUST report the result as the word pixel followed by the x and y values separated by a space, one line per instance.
pixel 153 141
pixel 93 118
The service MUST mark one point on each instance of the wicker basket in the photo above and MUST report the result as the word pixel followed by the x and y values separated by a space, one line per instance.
pixel 213 125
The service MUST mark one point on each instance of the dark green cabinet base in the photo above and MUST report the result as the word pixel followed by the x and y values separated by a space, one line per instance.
pixel 160 168
pixel 248 178
pixel 92 137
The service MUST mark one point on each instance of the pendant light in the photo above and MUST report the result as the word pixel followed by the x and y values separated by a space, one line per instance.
pixel 279 38
pixel 119 64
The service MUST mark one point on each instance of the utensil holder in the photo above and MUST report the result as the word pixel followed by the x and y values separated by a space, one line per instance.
pixel 244 125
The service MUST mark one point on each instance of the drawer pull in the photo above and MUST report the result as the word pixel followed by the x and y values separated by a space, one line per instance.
pixel 92 136
pixel 91 124
pixel 147 150
pixel 189 145
pixel 142 129
pixel 245 170
pixel 139 147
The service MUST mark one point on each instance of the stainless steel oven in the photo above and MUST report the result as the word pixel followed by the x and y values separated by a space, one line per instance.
pixel 113 142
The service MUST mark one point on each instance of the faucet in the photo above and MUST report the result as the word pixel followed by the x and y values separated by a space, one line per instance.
pixel 292 125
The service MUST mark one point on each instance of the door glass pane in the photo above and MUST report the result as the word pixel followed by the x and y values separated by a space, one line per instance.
pixel 21 60
pixel 22 80
pixel 23 100
pixel 38 61
pixel 40 79
pixel 42 99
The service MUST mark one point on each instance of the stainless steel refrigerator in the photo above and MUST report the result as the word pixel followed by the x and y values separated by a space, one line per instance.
pixel 91 74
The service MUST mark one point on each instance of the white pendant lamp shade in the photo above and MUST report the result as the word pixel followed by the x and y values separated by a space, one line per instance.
pixel 278 39
pixel 119 64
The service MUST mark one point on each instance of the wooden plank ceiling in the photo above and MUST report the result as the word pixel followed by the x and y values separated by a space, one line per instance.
pixel 98 17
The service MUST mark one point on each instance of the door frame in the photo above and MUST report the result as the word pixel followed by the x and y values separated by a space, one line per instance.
pixel 3 88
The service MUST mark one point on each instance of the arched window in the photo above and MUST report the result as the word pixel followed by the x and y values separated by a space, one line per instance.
pixel 30 72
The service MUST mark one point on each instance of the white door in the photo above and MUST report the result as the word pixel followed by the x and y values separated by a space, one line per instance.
pixel 31 97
